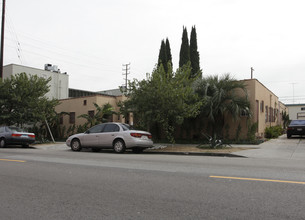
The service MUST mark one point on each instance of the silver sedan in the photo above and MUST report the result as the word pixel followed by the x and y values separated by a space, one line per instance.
pixel 10 135
pixel 117 136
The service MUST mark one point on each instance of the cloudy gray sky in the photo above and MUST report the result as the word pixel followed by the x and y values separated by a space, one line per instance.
pixel 90 40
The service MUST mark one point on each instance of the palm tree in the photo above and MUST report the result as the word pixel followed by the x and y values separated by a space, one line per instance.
pixel 101 114
pixel 221 95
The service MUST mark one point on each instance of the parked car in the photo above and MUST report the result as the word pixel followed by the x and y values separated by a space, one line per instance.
pixel 296 127
pixel 10 135
pixel 116 136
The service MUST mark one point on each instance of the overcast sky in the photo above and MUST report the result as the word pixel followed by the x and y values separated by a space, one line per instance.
pixel 90 40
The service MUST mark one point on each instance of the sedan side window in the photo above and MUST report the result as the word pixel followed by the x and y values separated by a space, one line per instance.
pixel 111 128
pixel 96 129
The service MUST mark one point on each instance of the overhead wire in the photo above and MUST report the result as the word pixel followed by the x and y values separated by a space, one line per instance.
pixel 47 45
pixel 38 47
pixel 11 29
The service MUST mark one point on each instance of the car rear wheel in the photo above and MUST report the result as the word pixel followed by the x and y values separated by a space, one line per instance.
pixel 288 135
pixel 2 142
pixel 119 146
pixel 75 145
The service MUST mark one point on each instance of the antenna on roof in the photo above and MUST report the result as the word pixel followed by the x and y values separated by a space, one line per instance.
pixel 252 72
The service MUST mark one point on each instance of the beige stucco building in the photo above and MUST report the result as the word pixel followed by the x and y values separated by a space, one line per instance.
pixel 59 84
pixel 265 107
pixel 77 106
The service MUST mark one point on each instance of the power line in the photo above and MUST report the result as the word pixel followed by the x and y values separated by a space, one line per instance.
pixel 62 51
pixel 11 29
pixel 64 61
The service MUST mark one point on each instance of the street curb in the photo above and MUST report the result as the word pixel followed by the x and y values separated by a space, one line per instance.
pixel 195 154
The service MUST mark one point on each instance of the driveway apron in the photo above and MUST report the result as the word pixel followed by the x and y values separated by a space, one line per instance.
pixel 281 148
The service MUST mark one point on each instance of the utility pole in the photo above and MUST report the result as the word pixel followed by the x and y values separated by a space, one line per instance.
pixel 126 73
pixel 252 70
pixel 2 39
pixel 293 92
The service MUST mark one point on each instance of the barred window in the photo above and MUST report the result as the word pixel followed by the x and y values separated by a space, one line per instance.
pixel 72 118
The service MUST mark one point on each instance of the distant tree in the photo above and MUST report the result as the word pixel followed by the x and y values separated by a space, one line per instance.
pixel 285 118
pixel 184 49
pixel 194 54
pixel 23 101
pixel 101 115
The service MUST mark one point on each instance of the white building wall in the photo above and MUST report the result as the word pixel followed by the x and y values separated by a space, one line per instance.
pixel 59 84
pixel 296 111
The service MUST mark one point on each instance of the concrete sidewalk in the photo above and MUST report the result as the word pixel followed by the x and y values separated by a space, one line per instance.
pixel 280 148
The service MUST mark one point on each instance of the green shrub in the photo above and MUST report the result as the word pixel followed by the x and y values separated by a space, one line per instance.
pixel 273 132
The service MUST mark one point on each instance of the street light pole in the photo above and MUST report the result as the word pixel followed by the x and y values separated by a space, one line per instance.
pixel 2 39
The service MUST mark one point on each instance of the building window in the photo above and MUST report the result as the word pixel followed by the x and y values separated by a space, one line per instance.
pixel 72 118
pixel 270 114
pixel 266 114
pixel 85 102
pixel 262 106
pixel 303 109
pixel 91 113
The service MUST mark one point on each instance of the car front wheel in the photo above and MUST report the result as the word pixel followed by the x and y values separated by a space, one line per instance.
pixel 119 146
pixel 75 145
pixel 2 142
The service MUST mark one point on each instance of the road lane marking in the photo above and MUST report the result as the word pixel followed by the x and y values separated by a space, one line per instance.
pixel 255 179
pixel 20 161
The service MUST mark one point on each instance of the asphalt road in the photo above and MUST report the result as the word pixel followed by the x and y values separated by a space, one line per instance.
pixel 52 182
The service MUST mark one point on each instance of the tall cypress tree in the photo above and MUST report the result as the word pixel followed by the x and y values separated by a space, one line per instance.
pixel 194 54
pixel 185 49
pixel 168 52
pixel 162 56
pixel 165 57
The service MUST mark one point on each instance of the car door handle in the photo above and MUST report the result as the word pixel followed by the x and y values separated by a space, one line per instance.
pixel 112 135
